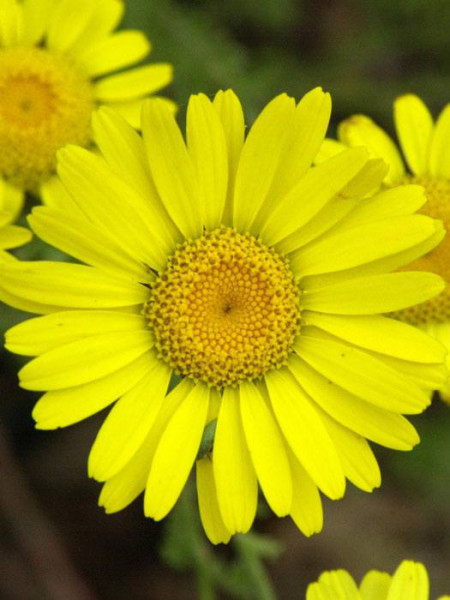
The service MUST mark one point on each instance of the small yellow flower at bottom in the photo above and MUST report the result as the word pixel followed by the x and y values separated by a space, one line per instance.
pixel 258 280
pixel 409 582
pixel 58 61
pixel 426 148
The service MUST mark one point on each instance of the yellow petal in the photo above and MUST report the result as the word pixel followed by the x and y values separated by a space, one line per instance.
pixel 11 22
pixel 36 16
pixel 361 374
pixel 440 146
pixel 376 424
pixel 207 147
pixel 375 586
pixel 409 582
pixel 82 240
pixel 171 167
pixel 363 244
pixel 134 83
pixel 84 360
pixel 380 334
pixel 367 295
pixel 414 125
pixel 175 454
pixel 129 422
pixel 362 131
pixel 12 200
pixel 305 432
pixel 68 22
pixel 114 52
pixel 266 447
pixel 308 130
pixel 106 16
pixel 358 461
pixel 42 334
pixel 234 474
pixel 105 197
pixel 328 148
pixel 13 237
pixel 333 585
pixel 311 194
pixel 65 407
pixel 123 488
pixel 306 509
pixel 230 113
pixel 210 515
pixel 55 195
pixel 69 285
pixel 260 159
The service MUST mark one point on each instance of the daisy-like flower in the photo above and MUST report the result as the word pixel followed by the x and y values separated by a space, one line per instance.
pixel 251 281
pixel 409 582
pixel 426 149
pixel 57 63
pixel 11 236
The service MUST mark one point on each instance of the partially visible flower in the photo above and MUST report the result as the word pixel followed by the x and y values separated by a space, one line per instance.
pixel 11 236
pixel 258 280
pixel 426 149
pixel 409 582
pixel 57 63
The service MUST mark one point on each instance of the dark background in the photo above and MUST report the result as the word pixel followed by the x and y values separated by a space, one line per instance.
pixel 54 541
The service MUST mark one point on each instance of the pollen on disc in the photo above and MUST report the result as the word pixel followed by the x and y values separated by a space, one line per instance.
pixel 436 310
pixel 226 309
pixel 45 104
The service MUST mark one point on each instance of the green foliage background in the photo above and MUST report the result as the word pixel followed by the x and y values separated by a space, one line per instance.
pixel 365 54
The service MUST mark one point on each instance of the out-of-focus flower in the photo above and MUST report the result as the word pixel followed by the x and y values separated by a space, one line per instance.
pixel 409 582
pixel 426 149
pixel 258 280
pixel 11 236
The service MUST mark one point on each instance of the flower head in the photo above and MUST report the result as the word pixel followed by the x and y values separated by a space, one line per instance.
pixel 426 149
pixel 57 59
pixel 231 303
pixel 409 582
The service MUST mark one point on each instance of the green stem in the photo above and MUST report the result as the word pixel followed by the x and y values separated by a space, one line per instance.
pixel 259 580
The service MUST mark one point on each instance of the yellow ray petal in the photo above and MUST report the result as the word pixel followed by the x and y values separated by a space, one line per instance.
pixel 361 374
pixel 207 147
pixel 175 454
pixel 305 432
pixel 375 586
pixel 231 115
pixel 55 195
pixel 306 509
pixel 11 22
pixel 123 488
pixel 70 285
pixel 134 83
pixel 409 582
pixel 42 334
pixel 84 360
pixel 260 159
pixel 362 131
pixel 129 422
pixel 376 424
pixel 440 146
pixel 65 407
pixel 207 501
pixel 67 23
pixel 171 167
pixel 414 125
pixel 367 295
pixel 266 447
pixel 105 18
pixel 311 194
pixel 380 334
pixel 363 244
pixel 329 148
pixel 333 585
pixel 36 16
pixel 82 240
pixel 234 474
pixel 114 52
pixel 13 237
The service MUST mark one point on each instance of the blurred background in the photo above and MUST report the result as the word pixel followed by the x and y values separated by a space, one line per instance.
pixel 54 541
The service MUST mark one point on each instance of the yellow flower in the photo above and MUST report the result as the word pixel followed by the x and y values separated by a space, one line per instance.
pixel 11 236
pixel 257 280
pixel 57 59
pixel 409 582
pixel 426 148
